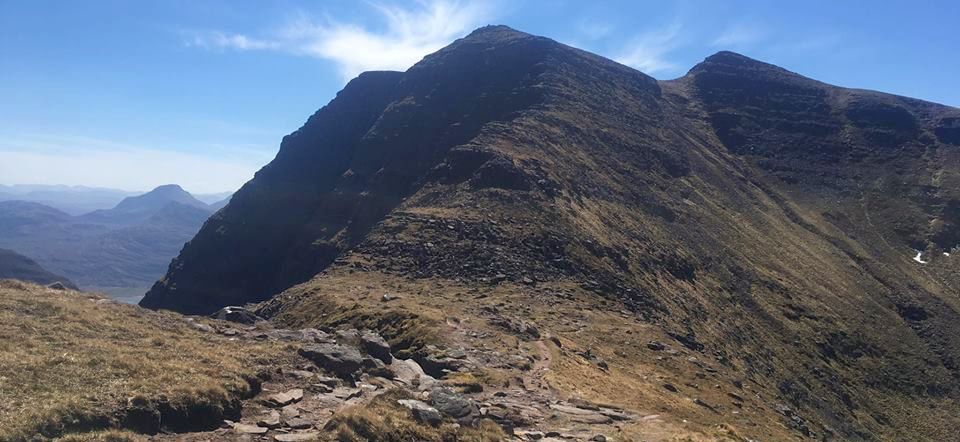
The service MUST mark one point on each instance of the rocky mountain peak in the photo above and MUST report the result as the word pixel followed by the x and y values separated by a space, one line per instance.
pixel 730 58
pixel 726 64
pixel 725 210
pixel 495 33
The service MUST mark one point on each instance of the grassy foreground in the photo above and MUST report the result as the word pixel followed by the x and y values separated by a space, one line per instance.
pixel 72 362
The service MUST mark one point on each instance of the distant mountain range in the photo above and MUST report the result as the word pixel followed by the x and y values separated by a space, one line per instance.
pixel 120 250
pixel 79 200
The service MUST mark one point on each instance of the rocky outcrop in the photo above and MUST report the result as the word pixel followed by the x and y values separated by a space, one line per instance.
pixel 236 314
pixel 341 360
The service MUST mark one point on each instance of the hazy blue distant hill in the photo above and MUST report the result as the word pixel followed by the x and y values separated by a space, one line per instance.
pixel 214 198
pixel 215 206
pixel 138 209
pixel 174 213
pixel 121 250
pixel 74 200
pixel 22 217
pixel 157 198
pixel 16 266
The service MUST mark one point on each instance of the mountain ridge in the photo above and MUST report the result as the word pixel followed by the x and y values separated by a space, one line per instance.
pixel 762 223
pixel 75 200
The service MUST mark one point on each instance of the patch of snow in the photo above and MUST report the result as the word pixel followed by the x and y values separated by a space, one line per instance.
pixel 919 258
pixel 946 254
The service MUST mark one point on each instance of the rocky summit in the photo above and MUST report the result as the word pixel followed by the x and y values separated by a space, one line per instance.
pixel 742 253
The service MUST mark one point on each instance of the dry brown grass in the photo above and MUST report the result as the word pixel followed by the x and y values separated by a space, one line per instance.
pixel 103 436
pixel 407 324
pixel 71 362
pixel 383 420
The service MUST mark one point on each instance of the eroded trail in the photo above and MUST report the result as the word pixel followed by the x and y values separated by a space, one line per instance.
pixel 537 376
pixel 348 369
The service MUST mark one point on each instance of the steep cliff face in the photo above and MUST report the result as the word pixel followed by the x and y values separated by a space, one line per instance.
pixel 347 167
pixel 762 220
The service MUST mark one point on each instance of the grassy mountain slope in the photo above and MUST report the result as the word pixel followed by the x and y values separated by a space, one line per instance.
pixel 75 362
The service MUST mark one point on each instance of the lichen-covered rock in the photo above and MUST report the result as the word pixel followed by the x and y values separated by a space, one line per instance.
pixel 462 409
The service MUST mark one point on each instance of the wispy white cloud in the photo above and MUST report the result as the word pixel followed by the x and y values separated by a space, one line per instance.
pixel 594 29
pixel 738 35
pixel 648 51
pixel 221 40
pixel 409 34
pixel 78 160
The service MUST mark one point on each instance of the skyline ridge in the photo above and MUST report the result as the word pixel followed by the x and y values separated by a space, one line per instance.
pixel 202 94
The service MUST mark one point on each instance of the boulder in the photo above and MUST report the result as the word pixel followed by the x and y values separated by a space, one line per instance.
pixel 249 429
pixel 290 411
pixel 376 346
pixel 529 435
pixel 312 335
pixel 375 367
pixel 409 372
pixel 285 398
pixel 422 412
pixel 239 315
pixel 326 381
pixel 202 327
pixel 270 420
pixel 57 286
pixel 297 423
pixel 464 410
pixel 656 345
pixel 438 364
pixel 349 337
pixel 340 360
pixel 297 437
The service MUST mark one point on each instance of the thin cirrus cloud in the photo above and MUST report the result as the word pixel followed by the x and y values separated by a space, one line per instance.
pixel 739 35
pixel 408 35
pixel 219 40
pixel 648 52
pixel 594 29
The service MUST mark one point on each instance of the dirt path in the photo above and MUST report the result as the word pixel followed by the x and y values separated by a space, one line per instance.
pixel 537 376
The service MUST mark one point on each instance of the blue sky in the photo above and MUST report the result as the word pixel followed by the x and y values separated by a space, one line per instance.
pixel 133 94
